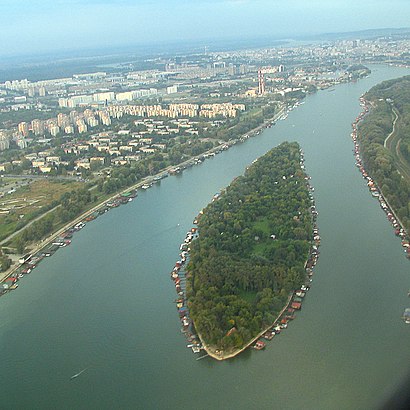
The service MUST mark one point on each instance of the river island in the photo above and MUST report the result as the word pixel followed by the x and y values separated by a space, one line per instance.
pixel 255 250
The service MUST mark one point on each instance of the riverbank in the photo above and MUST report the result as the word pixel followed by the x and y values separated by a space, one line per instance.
pixel 17 271
pixel 293 304
pixel 375 190
pixel 224 355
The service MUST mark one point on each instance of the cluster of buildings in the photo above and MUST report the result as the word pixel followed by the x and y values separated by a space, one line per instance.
pixel 90 100
pixel 354 50
pixel 6 136
pixel 226 110
pixel 43 161
pixel 4 140
pixel 81 122
pixel 75 121
pixel 99 87
pixel 190 71
pixel 85 156
pixel 105 97
pixel 25 86
pixel 109 148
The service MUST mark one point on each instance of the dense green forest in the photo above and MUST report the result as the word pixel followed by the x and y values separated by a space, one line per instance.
pixel 253 243
pixel 389 165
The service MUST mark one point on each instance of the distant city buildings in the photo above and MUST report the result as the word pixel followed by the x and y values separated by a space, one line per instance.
pixel 37 127
pixel 23 129
pixel 4 141
pixel 105 98
pixel 261 82
pixel 177 110
pixel 173 89
pixel 179 96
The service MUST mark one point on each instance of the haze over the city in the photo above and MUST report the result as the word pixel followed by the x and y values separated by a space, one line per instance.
pixel 29 27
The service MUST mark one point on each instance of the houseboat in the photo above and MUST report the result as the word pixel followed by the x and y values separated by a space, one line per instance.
pixel 259 345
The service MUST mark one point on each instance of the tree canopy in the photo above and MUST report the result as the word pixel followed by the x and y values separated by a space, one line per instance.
pixel 253 244
pixel 389 166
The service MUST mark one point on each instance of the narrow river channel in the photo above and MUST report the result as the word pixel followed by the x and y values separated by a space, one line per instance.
pixel 105 303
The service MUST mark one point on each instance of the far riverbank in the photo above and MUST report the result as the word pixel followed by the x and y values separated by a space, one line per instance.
pixel 39 246
pixel 374 188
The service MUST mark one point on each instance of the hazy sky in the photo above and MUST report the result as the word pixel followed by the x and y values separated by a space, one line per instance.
pixel 46 25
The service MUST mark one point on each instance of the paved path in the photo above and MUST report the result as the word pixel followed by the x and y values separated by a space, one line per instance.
pixel 11 236
pixel 387 141
pixel 393 145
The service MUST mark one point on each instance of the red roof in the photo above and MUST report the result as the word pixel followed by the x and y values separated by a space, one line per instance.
pixel 296 305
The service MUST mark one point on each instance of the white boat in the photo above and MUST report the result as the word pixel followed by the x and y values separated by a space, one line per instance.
pixel 74 376
pixel 406 315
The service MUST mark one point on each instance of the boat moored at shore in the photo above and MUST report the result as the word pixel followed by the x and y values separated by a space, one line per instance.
pixel 375 191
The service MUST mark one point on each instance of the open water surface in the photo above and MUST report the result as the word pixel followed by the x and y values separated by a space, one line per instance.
pixel 105 303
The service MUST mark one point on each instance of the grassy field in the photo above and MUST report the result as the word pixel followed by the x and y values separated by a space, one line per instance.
pixel 30 201
pixel 249 296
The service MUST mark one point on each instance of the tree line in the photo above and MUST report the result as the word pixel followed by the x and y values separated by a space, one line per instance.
pixel 72 204
pixel 380 162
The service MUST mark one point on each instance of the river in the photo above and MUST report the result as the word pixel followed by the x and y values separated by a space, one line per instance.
pixel 105 303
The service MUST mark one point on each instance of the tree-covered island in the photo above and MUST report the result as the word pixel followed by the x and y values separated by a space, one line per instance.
pixel 254 241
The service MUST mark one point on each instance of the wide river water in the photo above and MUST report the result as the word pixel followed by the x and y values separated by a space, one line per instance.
pixel 105 303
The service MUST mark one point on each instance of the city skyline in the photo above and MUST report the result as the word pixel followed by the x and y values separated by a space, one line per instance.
pixel 46 26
